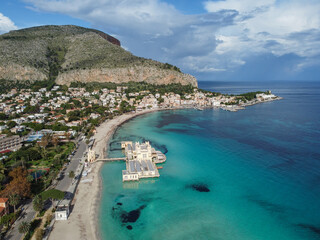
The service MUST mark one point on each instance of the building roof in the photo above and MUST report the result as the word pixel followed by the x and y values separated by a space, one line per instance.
pixel 1 210
pixel 5 151
pixel 3 200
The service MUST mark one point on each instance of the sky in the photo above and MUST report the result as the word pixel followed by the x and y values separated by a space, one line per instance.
pixel 228 40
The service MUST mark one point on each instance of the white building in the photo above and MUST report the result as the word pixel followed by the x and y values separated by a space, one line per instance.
pixel 141 160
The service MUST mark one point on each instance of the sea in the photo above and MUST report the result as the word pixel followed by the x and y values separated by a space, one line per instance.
pixel 247 175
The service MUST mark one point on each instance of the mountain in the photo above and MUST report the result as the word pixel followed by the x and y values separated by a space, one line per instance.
pixel 71 53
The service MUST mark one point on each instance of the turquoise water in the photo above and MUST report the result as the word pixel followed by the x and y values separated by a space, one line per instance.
pixel 261 166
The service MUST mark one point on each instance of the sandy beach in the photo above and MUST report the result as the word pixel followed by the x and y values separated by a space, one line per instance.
pixel 83 220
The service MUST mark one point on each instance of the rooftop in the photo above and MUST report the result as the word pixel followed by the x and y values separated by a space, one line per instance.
pixel 3 200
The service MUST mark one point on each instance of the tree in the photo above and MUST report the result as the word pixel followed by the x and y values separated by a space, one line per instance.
pixel 24 227
pixel 45 140
pixel 71 174
pixel 38 203
pixel 2 172
pixel 11 124
pixel 6 219
pixel 55 141
pixel 57 160
pixel 52 194
pixel 14 200
pixel 19 184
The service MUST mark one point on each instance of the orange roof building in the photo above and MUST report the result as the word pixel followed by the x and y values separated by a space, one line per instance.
pixel 4 206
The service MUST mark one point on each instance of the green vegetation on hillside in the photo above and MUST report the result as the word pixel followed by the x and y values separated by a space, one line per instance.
pixel 55 49
pixel 250 95
pixel 137 87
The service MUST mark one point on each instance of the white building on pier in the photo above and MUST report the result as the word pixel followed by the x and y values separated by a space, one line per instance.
pixel 141 161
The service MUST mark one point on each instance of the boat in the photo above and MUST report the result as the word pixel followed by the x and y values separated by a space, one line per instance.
pixel 159 167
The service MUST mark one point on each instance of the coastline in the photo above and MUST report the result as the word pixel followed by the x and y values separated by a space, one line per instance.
pixel 89 193
pixel 83 220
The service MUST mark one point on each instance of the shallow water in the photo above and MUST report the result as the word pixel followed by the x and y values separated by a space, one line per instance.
pixel 252 174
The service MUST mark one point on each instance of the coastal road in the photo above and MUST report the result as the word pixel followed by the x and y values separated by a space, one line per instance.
pixel 26 216
pixel 63 184
pixel 65 181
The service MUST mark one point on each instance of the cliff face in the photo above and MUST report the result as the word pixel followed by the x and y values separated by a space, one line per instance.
pixel 21 73
pixel 120 75
pixel 71 53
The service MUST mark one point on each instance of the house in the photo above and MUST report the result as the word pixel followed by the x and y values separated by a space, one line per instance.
pixel 4 206
pixel 63 210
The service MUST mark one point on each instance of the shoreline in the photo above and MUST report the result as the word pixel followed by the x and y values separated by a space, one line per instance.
pixel 90 193
pixel 83 220
pixel 109 134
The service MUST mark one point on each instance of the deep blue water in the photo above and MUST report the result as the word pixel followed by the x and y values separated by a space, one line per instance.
pixel 261 166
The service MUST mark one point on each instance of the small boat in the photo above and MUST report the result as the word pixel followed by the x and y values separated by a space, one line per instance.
pixel 159 167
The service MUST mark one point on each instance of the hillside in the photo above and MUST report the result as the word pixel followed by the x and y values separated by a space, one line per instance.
pixel 71 53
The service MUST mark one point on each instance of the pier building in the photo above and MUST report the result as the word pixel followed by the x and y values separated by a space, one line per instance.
pixel 141 161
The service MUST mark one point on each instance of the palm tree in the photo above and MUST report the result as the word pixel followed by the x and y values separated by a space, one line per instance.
pixel 24 227
pixel 14 199
pixel 38 203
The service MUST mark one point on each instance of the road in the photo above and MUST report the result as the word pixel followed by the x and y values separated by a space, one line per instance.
pixel 63 183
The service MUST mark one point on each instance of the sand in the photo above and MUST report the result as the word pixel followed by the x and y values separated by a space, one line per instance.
pixel 83 222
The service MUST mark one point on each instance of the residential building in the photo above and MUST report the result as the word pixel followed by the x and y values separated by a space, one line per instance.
pixel 4 206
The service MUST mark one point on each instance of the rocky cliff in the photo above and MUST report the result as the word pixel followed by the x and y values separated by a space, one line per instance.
pixel 71 53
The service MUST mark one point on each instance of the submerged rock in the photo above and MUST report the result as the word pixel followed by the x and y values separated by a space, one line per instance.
pixel 129 227
pixel 200 187
pixel 131 216
pixel 119 203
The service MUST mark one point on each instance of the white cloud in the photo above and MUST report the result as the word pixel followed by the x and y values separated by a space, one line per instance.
pixel 273 29
pixel 6 24
pixel 243 6
pixel 219 40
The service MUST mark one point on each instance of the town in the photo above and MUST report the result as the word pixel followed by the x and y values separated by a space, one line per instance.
pixel 46 133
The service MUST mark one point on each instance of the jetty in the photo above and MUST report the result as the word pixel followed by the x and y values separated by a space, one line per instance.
pixel 110 159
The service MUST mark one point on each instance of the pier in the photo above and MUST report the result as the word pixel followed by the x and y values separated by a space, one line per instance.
pixel 140 159
pixel 110 159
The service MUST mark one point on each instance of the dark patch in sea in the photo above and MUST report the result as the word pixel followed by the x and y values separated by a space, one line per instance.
pixel 200 187
pixel 119 204
pixel 131 216
pixel 124 216
pixel 171 117
pixel 129 227
pixel 284 164
pixel 312 228
pixel 176 130
pixel 271 207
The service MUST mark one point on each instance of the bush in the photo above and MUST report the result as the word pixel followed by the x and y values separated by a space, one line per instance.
pixel 39 234
pixel 34 224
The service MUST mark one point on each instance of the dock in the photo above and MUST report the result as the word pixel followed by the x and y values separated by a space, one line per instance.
pixel 111 159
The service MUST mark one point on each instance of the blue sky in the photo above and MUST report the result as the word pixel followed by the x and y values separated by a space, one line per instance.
pixel 228 40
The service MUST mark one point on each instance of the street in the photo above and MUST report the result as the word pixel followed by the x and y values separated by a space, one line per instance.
pixel 63 183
